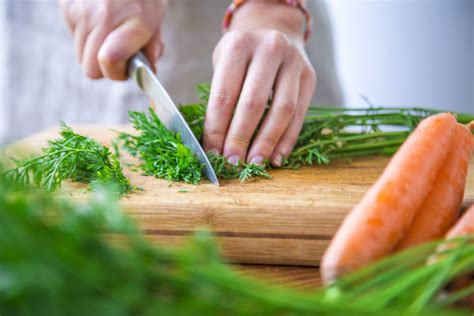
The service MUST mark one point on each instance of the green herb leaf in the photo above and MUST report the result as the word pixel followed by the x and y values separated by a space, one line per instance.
pixel 74 157
pixel 161 151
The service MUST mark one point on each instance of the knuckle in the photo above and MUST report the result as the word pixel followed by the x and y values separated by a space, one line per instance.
pixel 236 141
pixel 287 108
pixel 288 140
pixel 221 99
pixel 300 114
pixel 108 60
pixel 253 103
pixel 309 75
pixel 138 29
pixel 213 136
pixel 112 65
pixel 266 145
pixel 237 40
pixel 276 41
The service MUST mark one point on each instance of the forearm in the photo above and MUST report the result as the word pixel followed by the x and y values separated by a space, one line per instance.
pixel 270 14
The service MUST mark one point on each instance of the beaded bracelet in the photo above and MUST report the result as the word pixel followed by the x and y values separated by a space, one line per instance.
pixel 294 3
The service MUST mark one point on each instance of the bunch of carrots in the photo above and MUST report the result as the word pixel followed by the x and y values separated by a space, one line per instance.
pixel 417 199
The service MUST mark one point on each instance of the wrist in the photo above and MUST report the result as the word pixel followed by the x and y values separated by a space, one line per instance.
pixel 270 15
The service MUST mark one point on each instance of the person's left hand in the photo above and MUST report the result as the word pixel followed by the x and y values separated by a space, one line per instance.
pixel 252 63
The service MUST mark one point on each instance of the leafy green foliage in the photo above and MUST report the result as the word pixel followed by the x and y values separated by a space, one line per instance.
pixel 73 265
pixel 163 155
pixel 327 134
pixel 161 151
pixel 194 114
pixel 332 133
pixel 203 91
pixel 73 157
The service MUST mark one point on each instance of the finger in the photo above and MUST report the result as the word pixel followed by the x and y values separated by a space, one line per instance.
pixel 80 37
pixel 290 136
pixel 153 50
pixel 230 69
pixel 67 8
pixel 120 45
pixel 90 53
pixel 251 105
pixel 283 107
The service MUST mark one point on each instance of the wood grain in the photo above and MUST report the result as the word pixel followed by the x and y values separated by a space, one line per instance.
pixel 301 278
pixel 286 220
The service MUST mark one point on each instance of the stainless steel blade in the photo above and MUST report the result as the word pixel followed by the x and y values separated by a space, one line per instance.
pixel 169 114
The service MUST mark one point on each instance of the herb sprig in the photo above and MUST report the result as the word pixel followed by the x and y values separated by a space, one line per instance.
pixel 73 268
pixel 74 157
pixel 163 155
pixel 161 151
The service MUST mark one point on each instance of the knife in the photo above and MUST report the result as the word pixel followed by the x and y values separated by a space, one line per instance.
pixel 140 71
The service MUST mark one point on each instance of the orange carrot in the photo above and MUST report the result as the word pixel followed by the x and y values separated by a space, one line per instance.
pixel 383 216
pixel 440 210
pixel 464 226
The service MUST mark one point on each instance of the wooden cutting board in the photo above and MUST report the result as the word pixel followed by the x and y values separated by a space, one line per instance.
pixel 286 220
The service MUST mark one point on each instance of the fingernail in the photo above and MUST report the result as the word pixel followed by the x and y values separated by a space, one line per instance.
pixel 257 160
pixel 234 160
pixel 215 151
pixel 278 161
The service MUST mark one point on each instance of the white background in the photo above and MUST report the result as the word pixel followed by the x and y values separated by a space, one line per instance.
pixel 410 53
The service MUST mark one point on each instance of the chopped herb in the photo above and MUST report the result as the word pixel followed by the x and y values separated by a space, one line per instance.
pixel 161 151
pixel 74 157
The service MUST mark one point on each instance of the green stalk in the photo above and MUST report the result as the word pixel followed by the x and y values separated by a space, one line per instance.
pixel 381 144
pixel 315 110
pixel 358 137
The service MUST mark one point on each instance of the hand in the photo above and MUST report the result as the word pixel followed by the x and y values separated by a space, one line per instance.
pixel 107 33
pixel 250 64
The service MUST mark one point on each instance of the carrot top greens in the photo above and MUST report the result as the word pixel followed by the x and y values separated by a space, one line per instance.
pixel 161 151
pixel 69 266
pixel 328 133
pixel 74 157
pixel 163 155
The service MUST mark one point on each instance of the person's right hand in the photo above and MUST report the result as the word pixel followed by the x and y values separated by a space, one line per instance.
pixel 107 33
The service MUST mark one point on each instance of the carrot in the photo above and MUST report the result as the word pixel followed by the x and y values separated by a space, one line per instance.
pixel 440 210
pixel 464 226
pixel 383 216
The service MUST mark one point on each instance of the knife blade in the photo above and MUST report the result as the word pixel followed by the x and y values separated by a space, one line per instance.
pixel 140 71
